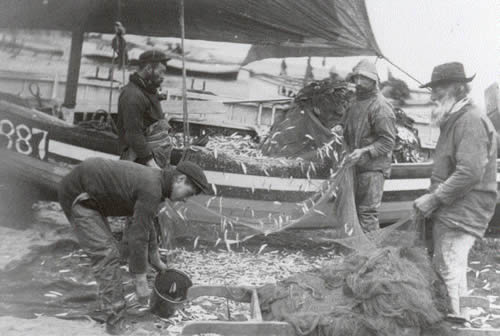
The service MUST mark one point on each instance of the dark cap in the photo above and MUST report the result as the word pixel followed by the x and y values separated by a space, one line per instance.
pixel 153 56
pixel 195 174
pixel 448 73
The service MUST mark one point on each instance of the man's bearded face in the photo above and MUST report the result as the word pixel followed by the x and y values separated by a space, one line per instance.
pixel 363 84
pixel 155 74
pixel 443 101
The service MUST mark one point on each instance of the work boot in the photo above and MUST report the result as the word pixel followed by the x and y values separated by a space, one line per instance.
pixel 104 309
pixel 456 319
pixel 118 323
pixel 137 309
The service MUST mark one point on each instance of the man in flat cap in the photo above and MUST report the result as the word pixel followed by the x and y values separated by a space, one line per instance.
pixel 370 133
pixel 463 191
pixel 142 128
pixel 98 188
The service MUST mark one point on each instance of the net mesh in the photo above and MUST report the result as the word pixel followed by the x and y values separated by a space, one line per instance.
pixel 331 209
pixel 387 291
pixel 385 286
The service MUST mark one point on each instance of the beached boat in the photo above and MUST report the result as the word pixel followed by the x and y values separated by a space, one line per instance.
pixel 39 144
pixel 41 148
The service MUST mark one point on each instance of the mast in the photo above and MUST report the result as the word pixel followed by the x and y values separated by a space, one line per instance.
pixel 75 58
pixel 184 89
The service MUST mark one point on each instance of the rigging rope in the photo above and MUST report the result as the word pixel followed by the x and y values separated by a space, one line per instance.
pixel 401 69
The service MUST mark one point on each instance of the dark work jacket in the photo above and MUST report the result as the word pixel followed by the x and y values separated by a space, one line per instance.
pixel 371 122
pixel 121 188
pixel 138 108
pixel 465 171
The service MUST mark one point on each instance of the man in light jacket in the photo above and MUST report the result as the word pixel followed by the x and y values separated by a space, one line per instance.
pixel 463 192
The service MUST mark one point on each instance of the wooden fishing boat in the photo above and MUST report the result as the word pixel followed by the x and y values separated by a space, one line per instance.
pixel 40 149
pixel 40 144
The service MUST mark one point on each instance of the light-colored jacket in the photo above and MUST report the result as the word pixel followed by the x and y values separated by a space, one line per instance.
pixel 465 169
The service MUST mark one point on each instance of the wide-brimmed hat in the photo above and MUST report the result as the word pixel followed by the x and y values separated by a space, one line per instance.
pixel 448 73
pixel 195 174
pixel 153 56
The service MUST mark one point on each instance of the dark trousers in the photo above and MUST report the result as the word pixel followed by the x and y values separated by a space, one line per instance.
pixel 95 238
pixel 368 194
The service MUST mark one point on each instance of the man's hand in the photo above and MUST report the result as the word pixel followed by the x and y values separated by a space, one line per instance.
pixel 142 289
pixel 338 129
pixel 426 204
pixel 156 262
pixel 152 163
pixel 356 155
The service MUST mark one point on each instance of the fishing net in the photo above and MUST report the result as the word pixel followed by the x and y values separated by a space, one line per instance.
pixel 385 286
pixel 388 291
pixel 317 108
pixel 331 209
pixel 329 213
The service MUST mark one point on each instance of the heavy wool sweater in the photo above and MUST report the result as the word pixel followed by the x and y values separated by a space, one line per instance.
pixel 121 188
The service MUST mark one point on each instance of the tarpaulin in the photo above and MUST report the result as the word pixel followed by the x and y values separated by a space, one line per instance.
pixel 276 28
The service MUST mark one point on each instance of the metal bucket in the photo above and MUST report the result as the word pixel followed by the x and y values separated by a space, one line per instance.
pixel 169 292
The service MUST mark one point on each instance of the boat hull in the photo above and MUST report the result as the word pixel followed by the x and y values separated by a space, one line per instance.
pixel 41 149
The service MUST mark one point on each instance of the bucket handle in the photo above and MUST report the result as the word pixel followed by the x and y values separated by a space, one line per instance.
pixel 166 299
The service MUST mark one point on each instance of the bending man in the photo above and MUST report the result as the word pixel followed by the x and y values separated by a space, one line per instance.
pixel 98 188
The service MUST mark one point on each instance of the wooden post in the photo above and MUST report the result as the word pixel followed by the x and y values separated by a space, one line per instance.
pixel 75 57
pixel 259 115
pixel 184 89
pixel 111 80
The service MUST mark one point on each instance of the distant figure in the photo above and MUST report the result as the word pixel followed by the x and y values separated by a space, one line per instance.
pixel 334 76
pixel 283 68
pixel 178 49
pixel 309 76
pixel 119 45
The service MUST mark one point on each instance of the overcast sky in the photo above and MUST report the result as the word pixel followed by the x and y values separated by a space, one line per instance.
pixel 417 35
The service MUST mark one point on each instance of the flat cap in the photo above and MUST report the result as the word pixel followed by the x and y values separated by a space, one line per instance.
pixel 153 56
pixel 195 174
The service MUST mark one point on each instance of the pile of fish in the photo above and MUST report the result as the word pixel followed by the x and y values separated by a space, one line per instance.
pixel 247 149
pixel 243 148
pixel 407 148
pixel 235 145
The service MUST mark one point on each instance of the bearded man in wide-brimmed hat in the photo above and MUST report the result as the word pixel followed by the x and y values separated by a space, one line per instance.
pixel 463 192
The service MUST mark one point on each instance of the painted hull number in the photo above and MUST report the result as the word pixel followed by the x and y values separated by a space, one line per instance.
pixel 23 139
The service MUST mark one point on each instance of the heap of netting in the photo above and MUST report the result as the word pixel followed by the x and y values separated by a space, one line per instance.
pixel 385 286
